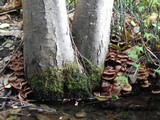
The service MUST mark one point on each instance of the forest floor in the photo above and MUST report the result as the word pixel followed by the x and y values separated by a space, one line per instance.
pixel 14 104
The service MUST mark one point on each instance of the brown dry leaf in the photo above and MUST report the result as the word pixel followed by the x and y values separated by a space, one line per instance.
pixel 11 5
pixel 133 23
pixel 136 30
pixel 153 18
pixel 4 17
pixel 128 36
pixel 158 46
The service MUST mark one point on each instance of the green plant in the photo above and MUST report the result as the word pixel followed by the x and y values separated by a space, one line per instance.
pixel 71 4
pixel 137 50
pixel 158 71
pixel 115 97
pixel 123 80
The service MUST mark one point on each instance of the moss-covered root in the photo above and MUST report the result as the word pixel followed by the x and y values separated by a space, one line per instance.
pixel 66 82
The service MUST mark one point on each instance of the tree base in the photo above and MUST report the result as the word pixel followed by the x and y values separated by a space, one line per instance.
pixel 66 82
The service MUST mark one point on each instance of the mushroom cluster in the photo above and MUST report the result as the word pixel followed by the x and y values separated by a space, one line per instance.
pixel 16 80
pixel 109 89
pixel 110 84
pixel 118 57
pixel 116 63
pixel 17 64
pixel 142 77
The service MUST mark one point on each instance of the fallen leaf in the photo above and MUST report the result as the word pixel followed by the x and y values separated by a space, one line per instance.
pixel 42 117
pixel 4 25
pixel 101 98
pixel 4 79
pixel 4 17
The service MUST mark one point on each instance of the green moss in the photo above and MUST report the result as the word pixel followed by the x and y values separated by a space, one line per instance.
pixel 66 82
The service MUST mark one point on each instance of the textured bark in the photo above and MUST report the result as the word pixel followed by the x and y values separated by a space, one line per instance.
pixel 46 35
pixel 91 27
pixel 2 2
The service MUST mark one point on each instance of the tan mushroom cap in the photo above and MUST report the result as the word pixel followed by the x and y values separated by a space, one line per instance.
pixel 106 84
pixel 106 87
pixel 142 77
pixel 112 53
pixel 127 88
pixel 23 94
pixel 122 56
pixel 118 67
pixel 108 77
pixel 18 83
pixel 12 78
pixel 116 83
pixel 115 90
pixel 129 62
pixel 109 72
pixel 145 85
pixel 143 73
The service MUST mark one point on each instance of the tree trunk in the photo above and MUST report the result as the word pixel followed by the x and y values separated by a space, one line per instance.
pixel 2 2
pixel 46 35
pixel 91 27
pixel 47 44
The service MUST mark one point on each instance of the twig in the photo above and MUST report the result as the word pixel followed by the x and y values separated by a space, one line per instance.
pixel 6 12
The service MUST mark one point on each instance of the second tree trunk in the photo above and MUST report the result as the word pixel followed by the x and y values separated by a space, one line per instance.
pixel 91 27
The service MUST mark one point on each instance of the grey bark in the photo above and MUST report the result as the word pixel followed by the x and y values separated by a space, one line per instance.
pixel 2 2
pixel 91 27
pixel 46 35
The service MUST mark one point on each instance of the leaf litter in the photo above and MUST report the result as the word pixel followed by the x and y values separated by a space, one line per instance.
pixel 115 79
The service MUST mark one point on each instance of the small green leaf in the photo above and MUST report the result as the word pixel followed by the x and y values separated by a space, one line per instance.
pixel 122 78
pixel 141 8
pixel 138 49
pixel 146 23
pixel 101 98
pixel 116 47
pixel 149 35
pixel 155 25
pixel 137 66
pixel 123 81
pixel 158 71
pixel 115 97
pixel 121 85
pixel 12 117
pixel 133 56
